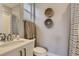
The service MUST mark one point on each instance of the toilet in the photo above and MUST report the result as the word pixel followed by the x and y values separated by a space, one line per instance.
pixel 39 51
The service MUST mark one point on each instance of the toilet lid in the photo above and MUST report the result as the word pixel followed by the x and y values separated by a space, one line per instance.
pixel 39 50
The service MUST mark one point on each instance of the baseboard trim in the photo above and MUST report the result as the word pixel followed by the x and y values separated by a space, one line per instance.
pixel 51 54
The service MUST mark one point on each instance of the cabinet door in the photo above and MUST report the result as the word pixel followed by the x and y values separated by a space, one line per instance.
pixel 25 50
pixel 15 52
pixel 28 49
pixel 11 53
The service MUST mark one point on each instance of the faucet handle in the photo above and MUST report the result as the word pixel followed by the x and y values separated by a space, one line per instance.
pixel 8 37
pixel 4 37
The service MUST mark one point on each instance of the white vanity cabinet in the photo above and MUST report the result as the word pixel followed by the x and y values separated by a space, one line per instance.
pixel 24 50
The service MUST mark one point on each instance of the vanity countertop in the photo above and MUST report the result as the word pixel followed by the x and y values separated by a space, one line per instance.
pixel 9 46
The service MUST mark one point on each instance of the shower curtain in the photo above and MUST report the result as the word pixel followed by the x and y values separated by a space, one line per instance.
pixel 74 40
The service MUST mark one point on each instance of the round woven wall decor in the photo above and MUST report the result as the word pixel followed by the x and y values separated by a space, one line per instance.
pixel 49 12
pixel 48 23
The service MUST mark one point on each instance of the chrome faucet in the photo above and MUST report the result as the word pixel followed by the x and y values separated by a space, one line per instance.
pixel 4 37
pixel 9 37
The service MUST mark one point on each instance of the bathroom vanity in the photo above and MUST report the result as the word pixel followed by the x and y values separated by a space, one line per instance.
pixel 21 47
pixel 11 25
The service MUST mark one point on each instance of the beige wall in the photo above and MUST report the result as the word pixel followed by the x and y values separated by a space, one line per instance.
pixel 56 38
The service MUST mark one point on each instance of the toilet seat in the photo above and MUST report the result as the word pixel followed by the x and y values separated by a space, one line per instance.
pixel 39 51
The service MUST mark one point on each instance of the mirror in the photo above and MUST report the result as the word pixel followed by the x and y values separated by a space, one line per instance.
pixel 8 19
pixel 12 16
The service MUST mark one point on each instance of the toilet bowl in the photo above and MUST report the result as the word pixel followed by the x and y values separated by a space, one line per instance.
pixel 39 51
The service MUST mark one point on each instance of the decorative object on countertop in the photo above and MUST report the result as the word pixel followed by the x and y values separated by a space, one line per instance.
pixel 49 12
pixel 17 36
pixel 48 23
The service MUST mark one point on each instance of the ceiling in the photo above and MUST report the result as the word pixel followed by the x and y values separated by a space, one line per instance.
pixel 10 5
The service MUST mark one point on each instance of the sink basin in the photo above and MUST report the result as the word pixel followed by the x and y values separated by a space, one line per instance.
pixel 12 43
